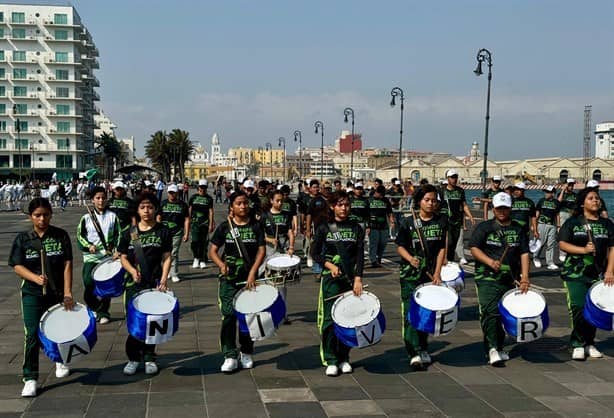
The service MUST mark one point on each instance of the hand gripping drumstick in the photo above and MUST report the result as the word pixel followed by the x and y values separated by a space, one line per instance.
pixel 343 293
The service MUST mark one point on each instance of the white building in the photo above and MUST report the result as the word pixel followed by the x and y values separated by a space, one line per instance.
pixel 216 152
pixel 103 125
pixel 604 140
pixel 128 150
pixel 47 62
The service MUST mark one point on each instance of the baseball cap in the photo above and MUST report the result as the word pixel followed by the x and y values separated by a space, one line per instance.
pixel 451 172
pixel 148 183
pixel 119 185
pixel 549 189
pixel 592 183
pixel 248 184
pixel 202 182
pixel 397 182
pixel 358 185
pixel 496 178
pixel 520 185
pixel 570 180
pixel 502 200
pixel 172 188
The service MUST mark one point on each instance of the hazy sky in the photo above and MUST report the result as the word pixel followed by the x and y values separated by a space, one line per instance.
pixel 253 71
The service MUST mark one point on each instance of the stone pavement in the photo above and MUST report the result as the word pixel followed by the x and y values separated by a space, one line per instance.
pixel 288 381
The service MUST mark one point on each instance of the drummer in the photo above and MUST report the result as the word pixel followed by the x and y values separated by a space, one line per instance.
pixel 242 237
pixel 589 257
pixel 421 244
pixel 97 246
pixel 341 255
pixel 39 292
pixel 501 250
pixel 146 255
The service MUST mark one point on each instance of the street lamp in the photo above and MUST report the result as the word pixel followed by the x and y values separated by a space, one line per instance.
pixel 283 140
pixel 320 127
pixel 269 148
pixel 299 136
pixel 18 129
pixel 485 55
pixel 347 112
pixel 397 91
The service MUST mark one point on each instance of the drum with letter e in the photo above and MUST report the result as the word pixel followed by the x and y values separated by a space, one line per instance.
pixel 524 315
pixel 434 309
pixel 283 269
pixel 599 306
pixel 153 316
pixel 108 278
pixel 359 320
pixel 259 311
pixel 453 276
pixel 67 335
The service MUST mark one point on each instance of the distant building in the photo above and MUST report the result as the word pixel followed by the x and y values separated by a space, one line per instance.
pixel 343 144
pixel 604 140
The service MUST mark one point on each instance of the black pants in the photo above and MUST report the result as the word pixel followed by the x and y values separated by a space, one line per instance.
pixel 137 350
pixel 453 235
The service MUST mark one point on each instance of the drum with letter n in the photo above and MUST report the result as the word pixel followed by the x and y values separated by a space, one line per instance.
pixel 599 306
pixel 359 320
pixel 453 276
pixel 67 335
pixel 153 316
pixel 434 309
pixel 108 278
pixel 283 269
pixel 524 315
pixel 259 311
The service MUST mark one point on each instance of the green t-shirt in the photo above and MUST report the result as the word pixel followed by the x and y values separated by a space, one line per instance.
pixel 453 204
pixel 548 209
pixel 569 202
pixel 174 214
pixel 200 207
pixel 523 209
pixel 252 236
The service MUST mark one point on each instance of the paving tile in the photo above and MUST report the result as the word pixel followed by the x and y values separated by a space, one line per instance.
pixel 66 404
pixel 572 377
pixel 179 399
pixel 295 410
pixel 271 382
pixel 506 398
pixel 177 410
pixel 351 408
pixel 287 395
pixel 14 405
pixel 575 406
pixel 328 393
pixel 415 407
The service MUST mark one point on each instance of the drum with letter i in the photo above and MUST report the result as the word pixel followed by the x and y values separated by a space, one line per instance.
pixel 524 315
pixel 259 311
pixel 453 276
pixel 599 306
pixel 283 269
pixel 108 278
pixel 359 320
pixel 153 316
pixel 67 335
pixel 434 309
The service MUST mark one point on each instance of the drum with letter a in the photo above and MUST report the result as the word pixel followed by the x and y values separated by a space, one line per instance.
pixel 283 269
pixel 153 316
pixel 108 278
pixel 524 315
pixel 599 306
pixel 434 309
pixel 259 311
pixel 66 336
pixel 359 320
pixel 453 276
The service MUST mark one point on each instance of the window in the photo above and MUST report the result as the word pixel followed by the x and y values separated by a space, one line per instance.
pixel 19 55
pixel 63 126
pixel 19 73
pixel 21 108
pixel 4 161
pixel 62 91
pixel 60 19
pixel 1 32
pixel 1 16
pixel 62 109
pixel 61 56
pixel 61 35
pixel 63 144
pixel 600 136
pixel 2 126
pixel 22 160
pixel 2 91
pixel 61 74
pixel 17 17
pixel 2 73
pixel 21 144
pixel 19 33
pixel 2 109
pixel 20 91
pixel 2 56
pixel 2 143
pixel 23 126
pixel 63 161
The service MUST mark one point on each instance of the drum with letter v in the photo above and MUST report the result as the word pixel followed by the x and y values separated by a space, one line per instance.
pixel 108 278
pixel 66 336
pixel 359 320
pixel 599 306
pixel 453 276
pixel 524 315
pixel 434 309
pixel 153 316
pixel 259 311
pixel 283 269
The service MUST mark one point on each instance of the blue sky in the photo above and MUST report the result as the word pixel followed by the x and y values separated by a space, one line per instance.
pixel 253 71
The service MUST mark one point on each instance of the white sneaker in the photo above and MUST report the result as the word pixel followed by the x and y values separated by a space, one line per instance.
pixel 131 367
pixel 195 263
pixel 203 265
pixel 332 370
pixel 552 267
pixel 416 362
pixel 494 358
pixel 29 388
pixel 425 357
pixel 561 258
pixel 346 367
pixel 578 353
pixel 537 263
pixel 61 370
pixel 175 279
pixel 309 261
pixel 463 261
pixel 151 367
pixel 505 356
pixel 246 361
pixel 104 320
pixel 592 352
pixel 230 365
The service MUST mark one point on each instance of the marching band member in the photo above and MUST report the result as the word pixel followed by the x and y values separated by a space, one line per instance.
pixel 42 257
pixel 421 244
pixel 146 255
pixel 587 239
pixel 338 246
pixel 317 214
pixel 243 240
pixel 174 213
pixel 122 205
pixel 289 206
pixel 201 224
pixel 501 250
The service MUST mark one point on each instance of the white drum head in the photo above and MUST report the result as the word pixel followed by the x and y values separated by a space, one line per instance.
pixel 154 302
pixel 450 272
pixel 524 305
pixel 106 270
pixel 436 298
pixel 255 300
pixel 61 326
pixel 350 311
pixel 603 296
pixel 283 262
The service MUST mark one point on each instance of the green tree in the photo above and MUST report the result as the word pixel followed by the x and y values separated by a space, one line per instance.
pixel 157 149
pixel 180 148
pixel 111 150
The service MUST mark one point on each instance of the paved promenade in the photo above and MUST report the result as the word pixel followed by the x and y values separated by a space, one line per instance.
pixel 540 380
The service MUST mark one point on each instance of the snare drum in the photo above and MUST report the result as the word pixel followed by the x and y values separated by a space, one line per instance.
pixel 599 306
pixel 434 309
pixel 524 315
pixel 283 269
pixel 453 276
pixel 359 320
pixel 153 316
pixel 67 335
pixel 259 311
pixel 108 278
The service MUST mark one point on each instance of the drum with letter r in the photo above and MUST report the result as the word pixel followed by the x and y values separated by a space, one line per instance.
pixel 524 315
pixel 453 276
pixel 108 278
pixel 259 310
pixel 599 306
pixel 359 320
pixel 153 316
pixel 283 269
pixel 434 309
pixel 67 335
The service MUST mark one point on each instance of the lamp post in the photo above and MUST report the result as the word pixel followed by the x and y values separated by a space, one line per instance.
pixel 282 140
pixel 485 55
pixel 319 125
pixel 348 111
pixel 299 136
pixel 397 91
pixel 18 129
pixel 269 148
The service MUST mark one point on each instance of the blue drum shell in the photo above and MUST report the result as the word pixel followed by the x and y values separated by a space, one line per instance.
pixel 51 349
pixel 277 310
pixel 348 335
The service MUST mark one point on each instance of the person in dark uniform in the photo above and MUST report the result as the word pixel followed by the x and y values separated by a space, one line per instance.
pixel 122 205
pixel 41 291
pixel 317 214
pixel 380 214
pixel 360 206
pixel 336 278
pixel 567 199
pixel 289 206
pixel 201 224
pixel 495 187
pixel 454 204
pixel 175 214
pixel 547 214
pixel 255 209
pixel 523 210
pixel 603 209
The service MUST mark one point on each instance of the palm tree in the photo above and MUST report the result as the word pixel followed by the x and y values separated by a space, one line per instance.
pixel 157 150
pixel 111 149
pixel 180 148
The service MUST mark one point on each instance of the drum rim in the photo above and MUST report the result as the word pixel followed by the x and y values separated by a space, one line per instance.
pixel 241 291
pixel 278 268
pixel 413 295
pixel 104 261
pixel 590 291
pixel 163 292
pixel 55 308
pixel 364 292
pixel 517 290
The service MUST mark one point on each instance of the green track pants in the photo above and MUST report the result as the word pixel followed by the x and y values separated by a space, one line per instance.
pixel 332 351
pixel 228 332
pixel 582 333
pixel 490 293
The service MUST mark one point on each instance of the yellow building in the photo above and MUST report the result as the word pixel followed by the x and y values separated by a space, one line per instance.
pixel 264 157
pixel 244 156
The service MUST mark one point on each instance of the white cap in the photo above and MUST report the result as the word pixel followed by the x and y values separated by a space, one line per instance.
pixel 397 182
pixel 570 180
pixel 279 186
pixel 202 182
pixel 520 185
pixel 451 172
pixel 118 185
pixel 349 190
pixel 496 178
pixel 549 189
pixel 248 184
pixel 502 199
pixel 359 184
pixel 443 182
pixel 147 183
pixel 592 183
pixel 172 188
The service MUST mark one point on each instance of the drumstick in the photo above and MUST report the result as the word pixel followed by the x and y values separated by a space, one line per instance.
pixel 266 279
pixel 343 293
pixel 504 254
pixel 232 232
pixel 43 257
pixel 413 213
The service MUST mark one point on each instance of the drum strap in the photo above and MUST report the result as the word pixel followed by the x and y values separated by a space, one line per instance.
pixel 139 254
pixel 98 229
pixel 37 244
pixel 341 250
pixel 418 227
pixel 234 231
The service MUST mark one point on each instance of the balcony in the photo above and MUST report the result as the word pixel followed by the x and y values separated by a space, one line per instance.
pixel 52 61
pixel 53 79
pixel 54 96
pixel 54 114
pixel 54 131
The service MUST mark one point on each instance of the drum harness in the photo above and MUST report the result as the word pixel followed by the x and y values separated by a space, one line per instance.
pixel 589 234
pixel 236 235
pixel 37 243
pixel 345 258
pixel 142 266
pixel 418 227
pixel 98 229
